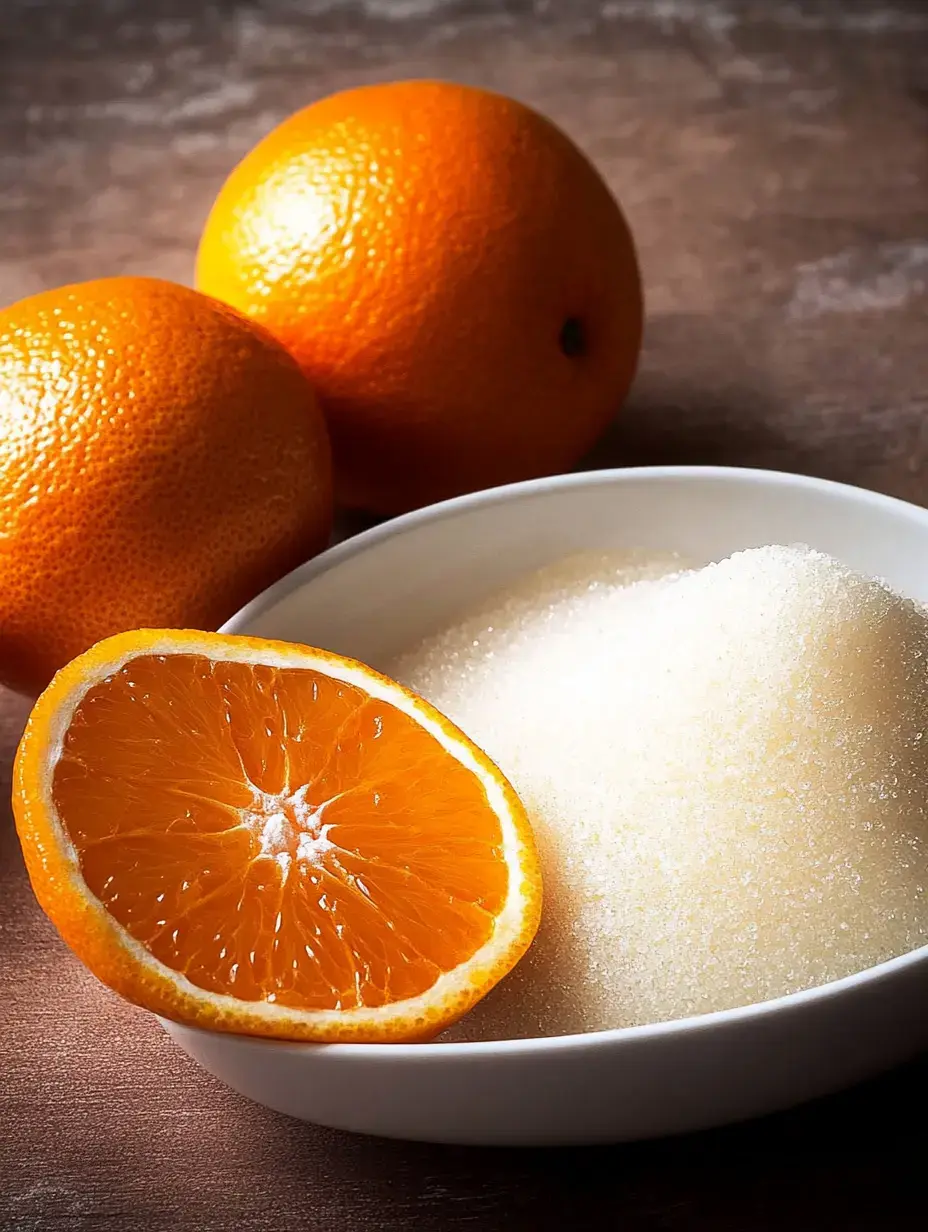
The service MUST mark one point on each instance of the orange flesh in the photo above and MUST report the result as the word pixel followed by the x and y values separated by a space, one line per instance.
pixel 277 835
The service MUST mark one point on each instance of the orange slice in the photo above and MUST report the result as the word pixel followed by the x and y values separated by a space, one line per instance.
pixel 260 837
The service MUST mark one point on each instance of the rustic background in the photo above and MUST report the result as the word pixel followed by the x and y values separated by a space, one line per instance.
pixel 773 161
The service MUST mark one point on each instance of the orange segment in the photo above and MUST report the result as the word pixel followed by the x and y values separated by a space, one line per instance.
pixel 265 838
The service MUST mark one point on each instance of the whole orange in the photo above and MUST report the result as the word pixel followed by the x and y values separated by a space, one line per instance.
pixel 451 272
pixel 161 459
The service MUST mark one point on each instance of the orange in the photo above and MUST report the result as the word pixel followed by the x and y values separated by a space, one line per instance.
pixel 161 460
pixel 259 837
pixel 451 272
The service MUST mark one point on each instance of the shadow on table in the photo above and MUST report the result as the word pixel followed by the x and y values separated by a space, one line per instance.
pixel 853 1161
pixel 663 427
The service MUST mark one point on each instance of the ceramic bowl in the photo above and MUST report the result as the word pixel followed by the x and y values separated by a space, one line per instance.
pixel 374 595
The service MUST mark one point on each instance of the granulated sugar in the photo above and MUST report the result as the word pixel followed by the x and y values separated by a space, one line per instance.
pixel 727 772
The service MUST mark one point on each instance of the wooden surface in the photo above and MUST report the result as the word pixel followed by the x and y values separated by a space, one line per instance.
pixel 773 160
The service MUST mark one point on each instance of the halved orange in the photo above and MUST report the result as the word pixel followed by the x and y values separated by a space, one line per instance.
pixel 261 837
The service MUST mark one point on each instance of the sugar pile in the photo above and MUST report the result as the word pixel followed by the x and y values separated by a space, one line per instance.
pixel 727 772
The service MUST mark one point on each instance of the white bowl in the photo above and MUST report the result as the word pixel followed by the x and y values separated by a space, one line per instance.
pixel 372 596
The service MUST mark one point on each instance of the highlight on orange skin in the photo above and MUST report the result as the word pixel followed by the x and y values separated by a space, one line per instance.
pixel 451 272
pixel 162 460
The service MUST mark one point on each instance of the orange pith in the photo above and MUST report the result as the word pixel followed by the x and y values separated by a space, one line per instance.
pixel 272 842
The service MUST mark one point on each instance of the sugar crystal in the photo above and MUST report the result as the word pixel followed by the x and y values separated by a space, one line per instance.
pixel 726 769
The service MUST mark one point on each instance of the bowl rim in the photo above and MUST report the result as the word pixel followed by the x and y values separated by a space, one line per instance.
pixel 354 544
pixel 432 1051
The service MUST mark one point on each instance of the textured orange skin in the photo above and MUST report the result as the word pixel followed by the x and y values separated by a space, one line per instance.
pixel 101 944
pixel 162 459
pixel 418 247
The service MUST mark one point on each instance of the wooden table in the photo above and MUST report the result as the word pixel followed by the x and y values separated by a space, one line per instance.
pixel 773 160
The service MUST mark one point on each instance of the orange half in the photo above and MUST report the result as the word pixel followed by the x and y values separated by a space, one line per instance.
pixel 261 837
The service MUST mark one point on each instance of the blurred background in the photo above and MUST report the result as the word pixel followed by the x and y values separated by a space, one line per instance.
pixel 772 159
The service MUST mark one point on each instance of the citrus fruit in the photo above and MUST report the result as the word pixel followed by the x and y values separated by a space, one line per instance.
pixel 260 837
pixel 161 459
pixel 451 272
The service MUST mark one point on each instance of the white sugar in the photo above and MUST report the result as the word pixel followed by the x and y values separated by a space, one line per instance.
pixel 726 768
